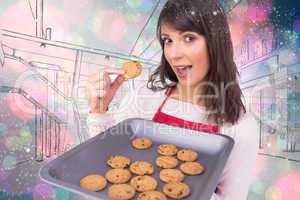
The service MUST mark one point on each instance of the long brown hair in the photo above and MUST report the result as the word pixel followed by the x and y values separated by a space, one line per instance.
pixel 207 18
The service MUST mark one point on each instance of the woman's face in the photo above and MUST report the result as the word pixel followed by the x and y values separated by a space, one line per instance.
pixel 187 54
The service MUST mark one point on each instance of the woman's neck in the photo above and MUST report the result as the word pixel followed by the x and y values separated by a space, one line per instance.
pixel 187 94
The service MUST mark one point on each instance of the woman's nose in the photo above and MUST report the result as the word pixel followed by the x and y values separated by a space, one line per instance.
pixel 175 52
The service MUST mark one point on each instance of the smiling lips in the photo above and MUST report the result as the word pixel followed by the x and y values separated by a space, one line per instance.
pixel 182 70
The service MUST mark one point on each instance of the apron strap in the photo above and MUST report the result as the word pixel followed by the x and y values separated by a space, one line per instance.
pixel 167 93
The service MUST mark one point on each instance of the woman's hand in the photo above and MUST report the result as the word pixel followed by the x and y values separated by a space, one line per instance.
pixel 101 89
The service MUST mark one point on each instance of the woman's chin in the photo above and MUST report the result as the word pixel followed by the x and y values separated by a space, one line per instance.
pixel 185 83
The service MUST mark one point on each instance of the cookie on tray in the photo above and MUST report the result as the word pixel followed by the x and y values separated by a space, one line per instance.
pixel 141 167
pixel 118 176
pixel 93 182
pixel 144 183
pixel 141 143
pixel 192 168
pixel 187 155
pixel 152 195
pixel 166 162
pixel 167 149
pixel 132 69
pixel 118 162
pixel 171 175
pixel 121 191
pixel 176 190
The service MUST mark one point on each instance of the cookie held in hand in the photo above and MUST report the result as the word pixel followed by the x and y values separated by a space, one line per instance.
pixel 132 69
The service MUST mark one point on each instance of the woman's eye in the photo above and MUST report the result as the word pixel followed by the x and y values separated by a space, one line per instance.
pixel 166 40
pixel 188 38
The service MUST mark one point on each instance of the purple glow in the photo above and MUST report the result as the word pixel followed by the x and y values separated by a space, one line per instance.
pixel 297 26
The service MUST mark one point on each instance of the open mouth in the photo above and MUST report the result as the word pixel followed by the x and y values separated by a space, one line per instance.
pixel 182 71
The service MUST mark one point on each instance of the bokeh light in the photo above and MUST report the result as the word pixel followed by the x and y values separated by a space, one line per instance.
pixel 296 26
pixel 3 130
pixel 258 186
pixel 20 106
pixel 42 191
pixel 289 186
pixel 9 162
pixel 146 5
pixel 13 143
pixel 258 13
pixel 61 193
pixel 118 29
pixel 25 136
pixel 134 3
pixel 274 193
pixel 3 174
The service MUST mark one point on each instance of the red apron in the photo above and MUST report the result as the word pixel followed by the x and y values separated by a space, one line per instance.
pixel 171 120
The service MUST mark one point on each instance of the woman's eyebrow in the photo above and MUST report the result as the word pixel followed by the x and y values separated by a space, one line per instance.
pixel 188 32
pixel 164 34
pixel 179 32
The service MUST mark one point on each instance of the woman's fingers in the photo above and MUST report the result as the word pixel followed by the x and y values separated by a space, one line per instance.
pixel 101 89
pixel 108 71
pixel 99 75
pixel 117 83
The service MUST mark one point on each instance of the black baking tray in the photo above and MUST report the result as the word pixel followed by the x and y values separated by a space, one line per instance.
pixel 90 157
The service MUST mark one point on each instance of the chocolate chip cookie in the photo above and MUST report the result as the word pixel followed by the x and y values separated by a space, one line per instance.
pixel 141 143
pixel 121 191
pixel 144 183
pixel 192 168
pixel 93 182
pixel 118 176
pixel 166 162
pixel 188 155
pixel 141 167
pixel 152 195
pixel 176 190
pixel 118 162
pixel 167 149
pixel 171 175
pixel 132 69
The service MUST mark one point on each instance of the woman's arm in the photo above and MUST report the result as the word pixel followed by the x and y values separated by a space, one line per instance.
pixel 238 172
pixel 99 122
pixel 138 103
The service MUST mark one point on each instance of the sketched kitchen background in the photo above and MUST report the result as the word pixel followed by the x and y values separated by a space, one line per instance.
pixel 49 47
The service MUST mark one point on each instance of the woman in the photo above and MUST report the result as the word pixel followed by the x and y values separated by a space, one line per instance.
pixel 194 87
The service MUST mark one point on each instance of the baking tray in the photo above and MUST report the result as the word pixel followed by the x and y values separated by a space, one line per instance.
pixel 90 157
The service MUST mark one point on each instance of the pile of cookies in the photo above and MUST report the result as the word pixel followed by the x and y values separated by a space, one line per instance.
pixel 128 177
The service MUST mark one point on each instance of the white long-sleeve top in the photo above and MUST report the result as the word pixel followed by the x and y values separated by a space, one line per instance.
pixel 237 174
